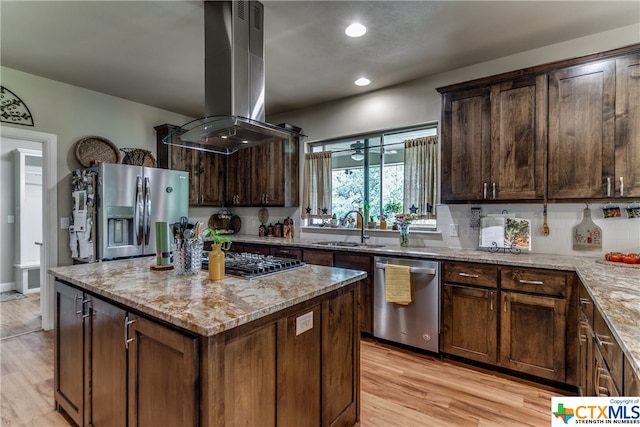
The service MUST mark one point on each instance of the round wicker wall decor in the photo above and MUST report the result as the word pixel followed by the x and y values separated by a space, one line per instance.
pixel 96 149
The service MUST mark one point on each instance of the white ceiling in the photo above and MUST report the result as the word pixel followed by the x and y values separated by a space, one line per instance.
pixel 152 51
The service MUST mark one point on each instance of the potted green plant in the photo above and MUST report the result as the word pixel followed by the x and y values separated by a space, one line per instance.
pixel 217 238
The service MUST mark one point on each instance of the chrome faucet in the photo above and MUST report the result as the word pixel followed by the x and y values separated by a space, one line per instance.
pixel 363 236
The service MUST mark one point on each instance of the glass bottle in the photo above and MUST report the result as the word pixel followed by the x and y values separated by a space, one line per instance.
pixel 383 223
pixel 359 219
pixel 216 263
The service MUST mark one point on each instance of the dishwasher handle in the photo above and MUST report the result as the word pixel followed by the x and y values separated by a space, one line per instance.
pixel 416 270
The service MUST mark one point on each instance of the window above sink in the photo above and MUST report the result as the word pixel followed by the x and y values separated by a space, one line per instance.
pixel 368 172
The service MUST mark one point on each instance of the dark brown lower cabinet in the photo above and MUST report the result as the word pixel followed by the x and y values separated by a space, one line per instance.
pixel 108 374
pixel 300 367
pixel 470 322
pixel 94 384
pixel 532 335
pixel 365 292
pixel 512 318
pixel 69 350
pixel 325 258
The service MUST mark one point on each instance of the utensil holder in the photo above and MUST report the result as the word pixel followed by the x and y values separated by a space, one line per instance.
pixel 187 256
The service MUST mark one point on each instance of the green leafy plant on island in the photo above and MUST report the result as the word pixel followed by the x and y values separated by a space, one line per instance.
pixel 217 238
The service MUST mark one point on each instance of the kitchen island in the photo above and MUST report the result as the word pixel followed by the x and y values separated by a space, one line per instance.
pixel 145 347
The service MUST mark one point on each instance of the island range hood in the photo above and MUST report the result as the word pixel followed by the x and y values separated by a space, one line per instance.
pixel 234 83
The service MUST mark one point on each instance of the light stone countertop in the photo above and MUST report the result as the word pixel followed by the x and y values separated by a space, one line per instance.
pixel 615 289
pixel 195 303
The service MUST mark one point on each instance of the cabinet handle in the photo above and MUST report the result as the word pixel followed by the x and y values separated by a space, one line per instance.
pixel 621 186
pixel 504 306
pixel 531 282
pixel 473 276
pixel 78 297
pixel 266 199
pixel 484 190
pixel 127 340
pixel 86 309
pixel 602 339
pixel 202 199
pixel 493 190
pixel 491 297
pixel 608 186
pixel 585 301
pixel 283 251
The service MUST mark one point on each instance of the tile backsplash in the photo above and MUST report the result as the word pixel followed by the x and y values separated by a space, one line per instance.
pixel 618 234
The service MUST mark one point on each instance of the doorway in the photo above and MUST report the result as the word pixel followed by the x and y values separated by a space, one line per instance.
pixel 49 254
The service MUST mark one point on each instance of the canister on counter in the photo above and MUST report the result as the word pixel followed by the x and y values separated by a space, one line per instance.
pixel 288 228
pixel 270 230
pixel 262 230
pixel 277 229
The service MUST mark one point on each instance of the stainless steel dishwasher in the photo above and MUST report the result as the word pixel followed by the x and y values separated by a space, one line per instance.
pixel 418 323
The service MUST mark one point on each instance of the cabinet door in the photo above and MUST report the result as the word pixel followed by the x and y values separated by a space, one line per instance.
pixel 469 323
pixel 69 351
pixel 340 360
pixel 581 131
pixel 298 367
pixel 365 289
pixel 466 154
pixel 108 375
pixel 518 139
pixel 267 187
pixel 533 335
pixel 627 151
pixel 162 376
pixel 250 378
pixel 239 172
pixel 211 179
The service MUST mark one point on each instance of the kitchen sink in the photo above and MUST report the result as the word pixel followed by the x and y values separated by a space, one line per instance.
pixel 347 244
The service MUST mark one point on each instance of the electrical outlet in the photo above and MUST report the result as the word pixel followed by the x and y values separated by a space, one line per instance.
pixel 453 230
pixel 304 323
pixel 64 223
pixel 11 219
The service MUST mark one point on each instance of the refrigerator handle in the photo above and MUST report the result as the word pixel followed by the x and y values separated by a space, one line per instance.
pixel 147 210
pixel 139 213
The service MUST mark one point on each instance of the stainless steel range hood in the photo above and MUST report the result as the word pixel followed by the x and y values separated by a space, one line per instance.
pixel 234 83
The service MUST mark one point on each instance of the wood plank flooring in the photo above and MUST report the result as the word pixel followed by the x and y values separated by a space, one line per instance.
pixel 398 388
pixel 20 316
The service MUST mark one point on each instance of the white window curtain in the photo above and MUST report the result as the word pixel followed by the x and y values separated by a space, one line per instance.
pixel 316 196
pixel 420 176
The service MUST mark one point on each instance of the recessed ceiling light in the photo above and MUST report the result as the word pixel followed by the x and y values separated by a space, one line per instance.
pixel 362 81
pixel 355 30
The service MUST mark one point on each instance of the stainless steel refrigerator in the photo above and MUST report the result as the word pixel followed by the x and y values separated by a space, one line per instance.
pixel 129 200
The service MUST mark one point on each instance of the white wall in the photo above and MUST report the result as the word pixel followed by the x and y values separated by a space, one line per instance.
pixel 73 113
pixel 419 102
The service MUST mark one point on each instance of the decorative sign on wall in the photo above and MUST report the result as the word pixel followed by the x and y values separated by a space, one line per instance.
pixel 13 110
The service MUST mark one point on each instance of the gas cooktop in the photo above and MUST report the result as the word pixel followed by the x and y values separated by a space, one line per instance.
pixel 251 266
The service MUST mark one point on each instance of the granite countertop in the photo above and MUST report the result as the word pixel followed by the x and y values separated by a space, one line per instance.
pixel 615 289
pixel 195 303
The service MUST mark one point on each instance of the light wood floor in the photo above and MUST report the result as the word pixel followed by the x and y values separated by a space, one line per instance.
pixel 398 388
pixel 20 316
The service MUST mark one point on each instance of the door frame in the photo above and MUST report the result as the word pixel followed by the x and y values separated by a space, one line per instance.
pixel 49 251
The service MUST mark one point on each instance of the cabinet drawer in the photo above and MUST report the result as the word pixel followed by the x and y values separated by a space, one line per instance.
pixel 534 281
pixel 257 249
pixel 608 345
pixel 586 305
pixel 471 274
pixel 285 252
pixel 318 257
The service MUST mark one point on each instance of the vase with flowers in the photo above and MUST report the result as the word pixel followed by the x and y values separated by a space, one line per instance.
pixel 403 221
pixel 219 243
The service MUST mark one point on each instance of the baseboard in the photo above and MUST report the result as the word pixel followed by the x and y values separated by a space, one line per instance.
pixel 8 286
